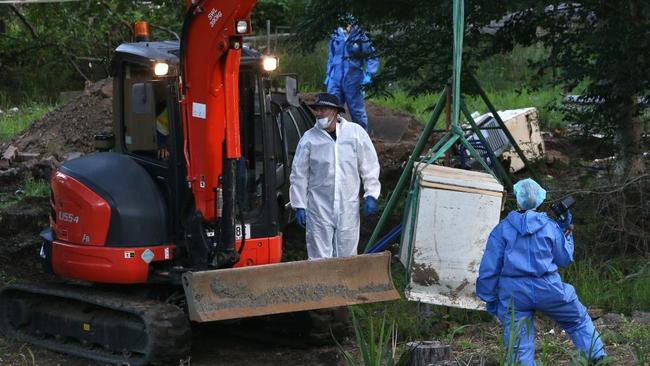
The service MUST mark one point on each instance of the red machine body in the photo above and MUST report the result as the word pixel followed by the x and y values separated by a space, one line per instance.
pixel 80 220
pixel 210 94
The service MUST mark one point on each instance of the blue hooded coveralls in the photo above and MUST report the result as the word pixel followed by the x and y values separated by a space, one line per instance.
pixel 520 268
pixel 348 54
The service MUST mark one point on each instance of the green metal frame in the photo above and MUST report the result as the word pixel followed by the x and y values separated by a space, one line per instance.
pixel 453 135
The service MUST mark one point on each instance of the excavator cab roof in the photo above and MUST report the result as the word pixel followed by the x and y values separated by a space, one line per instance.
pixel 166 51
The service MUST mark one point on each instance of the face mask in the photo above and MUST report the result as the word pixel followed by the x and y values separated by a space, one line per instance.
pixel 323 123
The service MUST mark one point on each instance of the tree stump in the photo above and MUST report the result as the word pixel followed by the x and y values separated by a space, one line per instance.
pixel 426 353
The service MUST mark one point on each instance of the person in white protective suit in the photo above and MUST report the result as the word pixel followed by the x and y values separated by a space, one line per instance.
pixel 331 160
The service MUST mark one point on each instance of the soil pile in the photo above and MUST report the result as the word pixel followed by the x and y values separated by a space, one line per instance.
pixel 65 133
pixel 71 127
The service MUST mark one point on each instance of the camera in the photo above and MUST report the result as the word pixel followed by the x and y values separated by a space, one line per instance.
pixel 560 208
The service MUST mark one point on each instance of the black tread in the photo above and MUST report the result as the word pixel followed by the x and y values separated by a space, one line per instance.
pixel 167 327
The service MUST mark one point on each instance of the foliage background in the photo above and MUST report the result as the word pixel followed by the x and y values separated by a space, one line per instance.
pixel 46 48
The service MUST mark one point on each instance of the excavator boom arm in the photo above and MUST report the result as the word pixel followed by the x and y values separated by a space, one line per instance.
pixel 210 56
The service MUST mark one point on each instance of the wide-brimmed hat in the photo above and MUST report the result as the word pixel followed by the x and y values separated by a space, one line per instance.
pixel 327 100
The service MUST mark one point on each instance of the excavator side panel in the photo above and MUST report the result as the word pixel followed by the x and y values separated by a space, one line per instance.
pixel 288 287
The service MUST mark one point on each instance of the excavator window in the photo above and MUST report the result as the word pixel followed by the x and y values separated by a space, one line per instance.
pixel 251 167
pixel 146 117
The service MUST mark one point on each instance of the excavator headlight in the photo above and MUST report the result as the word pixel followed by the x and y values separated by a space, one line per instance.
pixel 161 69
pixel 241 26
pixel 270 63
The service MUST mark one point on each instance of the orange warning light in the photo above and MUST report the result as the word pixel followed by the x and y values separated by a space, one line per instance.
pixel 141 29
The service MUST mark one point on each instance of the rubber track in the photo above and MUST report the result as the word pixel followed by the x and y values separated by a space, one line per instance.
pixel 167 327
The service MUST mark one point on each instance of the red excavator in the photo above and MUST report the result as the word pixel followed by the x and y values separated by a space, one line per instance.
pixel 182 220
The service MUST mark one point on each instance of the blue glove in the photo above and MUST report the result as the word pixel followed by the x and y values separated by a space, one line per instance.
pixel 370 206
pixel 564 224
pixel 367 80
pixel 301 217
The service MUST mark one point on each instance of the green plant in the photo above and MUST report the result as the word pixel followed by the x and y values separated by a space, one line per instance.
pixel 36 188
pixel 620 284
pixel 637 336
pixel 13 123
pixel 309 66
pixel 642 357
pixel 377 343
pixel 511 355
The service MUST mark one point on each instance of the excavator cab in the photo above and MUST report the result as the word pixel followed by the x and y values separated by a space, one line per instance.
pixel 148 128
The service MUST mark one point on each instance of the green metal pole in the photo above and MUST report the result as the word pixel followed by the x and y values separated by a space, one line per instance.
pixel 439 143
pixel 406 174
pixel 502 125
pixel 450 142
pixel 502 172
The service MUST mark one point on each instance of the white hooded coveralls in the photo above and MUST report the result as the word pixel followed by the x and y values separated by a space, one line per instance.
pixel 325 180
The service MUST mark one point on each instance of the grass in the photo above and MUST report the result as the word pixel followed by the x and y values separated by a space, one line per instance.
pixel 421 106
pixel 472 334
pixel 376 341
pixel 36 188
pixel 310 67
pixel 637 338
pixel 13 123
pixel 605 286
pixel 30 189
pixel 506 80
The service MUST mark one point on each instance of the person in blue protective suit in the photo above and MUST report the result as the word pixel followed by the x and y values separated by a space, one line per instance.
pixel 351 64
pixel 519 276
pixel 331 160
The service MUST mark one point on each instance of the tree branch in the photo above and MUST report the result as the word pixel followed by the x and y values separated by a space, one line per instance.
pixel 126 23
pixel 168 30
pixel 24 20
pixel 76 67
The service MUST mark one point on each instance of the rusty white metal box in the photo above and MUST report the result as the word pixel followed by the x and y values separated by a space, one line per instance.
pixel 446 232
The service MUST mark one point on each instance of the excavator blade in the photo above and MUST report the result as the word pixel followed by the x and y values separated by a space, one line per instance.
pixel 288 287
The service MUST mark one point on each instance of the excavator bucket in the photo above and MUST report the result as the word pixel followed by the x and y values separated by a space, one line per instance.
pixel 288 287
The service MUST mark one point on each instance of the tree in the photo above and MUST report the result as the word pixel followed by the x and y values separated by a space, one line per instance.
pixel 49 47
pixel 281 13
pixel 603 47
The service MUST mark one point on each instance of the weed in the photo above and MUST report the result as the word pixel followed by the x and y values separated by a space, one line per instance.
pixel 378 346
pixel 511 356
pixel 36 188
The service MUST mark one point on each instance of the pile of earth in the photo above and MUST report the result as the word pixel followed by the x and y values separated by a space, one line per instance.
pixel 71 127
pixel 62 134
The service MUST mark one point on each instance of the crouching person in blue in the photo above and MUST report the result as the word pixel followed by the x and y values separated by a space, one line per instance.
pixel 519 275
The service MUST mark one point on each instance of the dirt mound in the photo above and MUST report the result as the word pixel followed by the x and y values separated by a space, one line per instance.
pixel 71 127
pixel 64 133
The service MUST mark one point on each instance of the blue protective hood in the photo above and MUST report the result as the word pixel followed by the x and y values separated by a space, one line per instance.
pixel 528 222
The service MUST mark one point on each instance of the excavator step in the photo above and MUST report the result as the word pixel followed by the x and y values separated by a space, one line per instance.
pixel 288 287
pixel 94 323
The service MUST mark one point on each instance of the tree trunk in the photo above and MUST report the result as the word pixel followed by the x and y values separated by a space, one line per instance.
pixel 426 353
pixel 629 131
